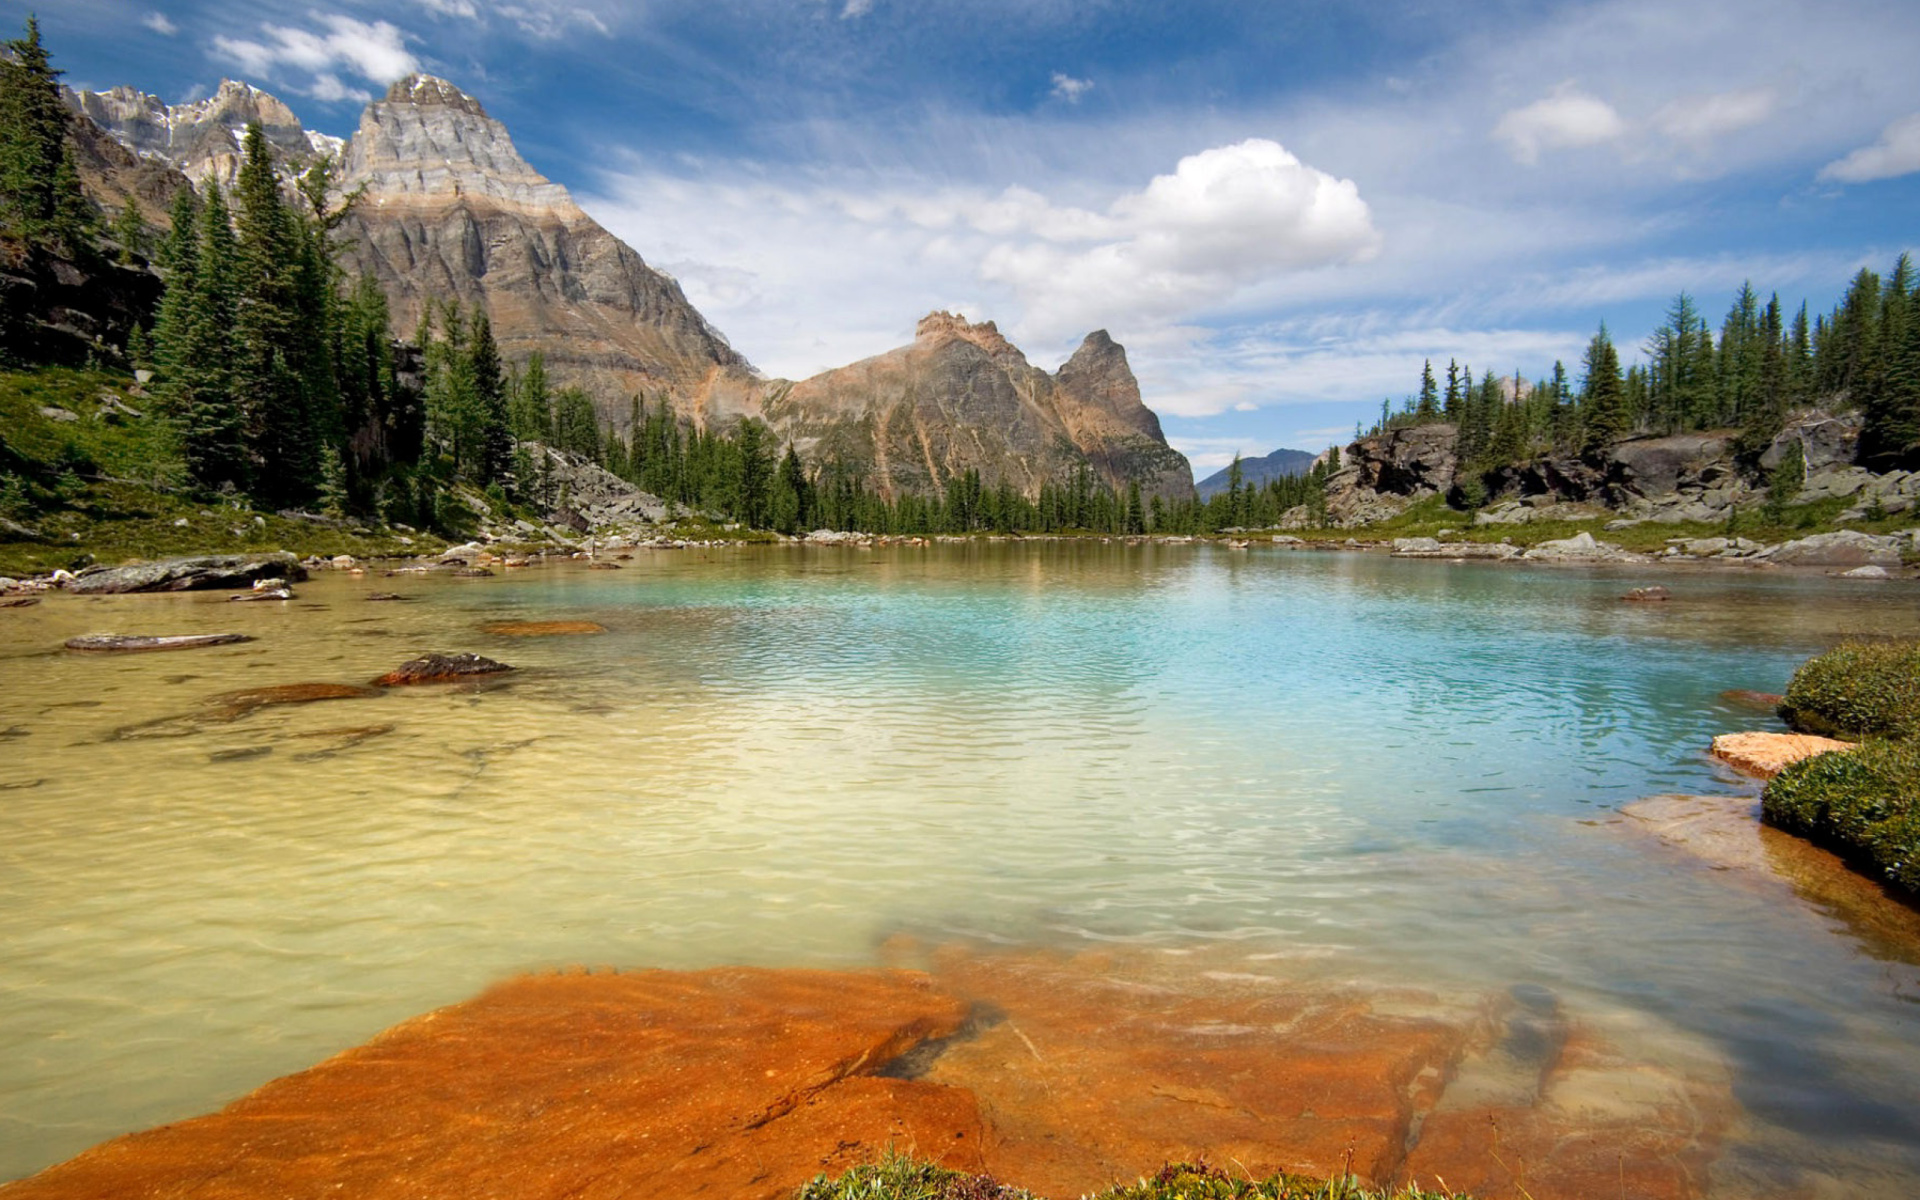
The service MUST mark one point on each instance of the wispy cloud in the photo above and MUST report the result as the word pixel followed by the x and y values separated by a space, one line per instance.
pixel 1896 153
pixel 463 9
pixel 1066 87
pixel 1567 119
pixel 374 51
pixel 856 8
pixel 158 22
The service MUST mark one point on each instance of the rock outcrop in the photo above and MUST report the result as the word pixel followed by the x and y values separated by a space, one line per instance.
pixel 961 397
pixel 1380 476
pixel 189 574
pixel 1768 754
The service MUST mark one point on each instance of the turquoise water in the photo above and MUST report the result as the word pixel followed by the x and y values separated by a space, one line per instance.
pixel 1362 768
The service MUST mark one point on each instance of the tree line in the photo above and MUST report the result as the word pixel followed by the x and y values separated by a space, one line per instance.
pixel 1864 356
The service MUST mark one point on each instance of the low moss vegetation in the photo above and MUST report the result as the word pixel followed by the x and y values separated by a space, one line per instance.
pixel 1864 803
pixel 1857 690
pixel 899 1177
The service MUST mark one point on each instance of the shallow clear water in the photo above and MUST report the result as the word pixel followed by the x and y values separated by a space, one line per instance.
pixel 1364 768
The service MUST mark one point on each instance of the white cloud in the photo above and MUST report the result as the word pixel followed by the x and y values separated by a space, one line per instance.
pixel 1225 219
pixel 464 9
pixel 158 22
pixel 856 8
pixel 1896 153
pixel 1567 119
pixel 1066 87
pixel 376 52
pixel 550 19
pixel 1701 119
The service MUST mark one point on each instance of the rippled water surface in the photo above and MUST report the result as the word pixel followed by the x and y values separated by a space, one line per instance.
pixel 1368 769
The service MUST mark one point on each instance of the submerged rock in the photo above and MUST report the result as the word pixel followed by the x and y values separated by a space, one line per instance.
pixel 441 668
pixel 1768 754
pixel 125 643
pixel 1060 1074
pixel 1746 698
pixel 1643 595
pixel 188 574
pixel 233 705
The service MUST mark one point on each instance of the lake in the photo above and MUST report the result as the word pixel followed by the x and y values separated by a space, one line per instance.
pixel 1362 768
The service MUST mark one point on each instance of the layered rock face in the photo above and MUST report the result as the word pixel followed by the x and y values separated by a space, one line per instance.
pixel 962 397
pixel 452 212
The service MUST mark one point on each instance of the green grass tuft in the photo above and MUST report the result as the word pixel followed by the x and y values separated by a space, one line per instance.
pixel 900 1177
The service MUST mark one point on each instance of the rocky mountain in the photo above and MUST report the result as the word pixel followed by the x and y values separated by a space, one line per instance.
pixel 450 210
pixel 962 397
pixel 201 139
pixel 1254 472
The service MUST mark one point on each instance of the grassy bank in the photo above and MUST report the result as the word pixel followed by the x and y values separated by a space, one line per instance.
pixel 1864 804
pixel 898 1177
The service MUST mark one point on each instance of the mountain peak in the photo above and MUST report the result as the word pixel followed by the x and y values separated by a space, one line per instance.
pixel 431 91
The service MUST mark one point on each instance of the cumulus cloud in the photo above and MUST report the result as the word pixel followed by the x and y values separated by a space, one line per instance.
pixel 376 52
pixel 1896 153
pixel 158 22
pixel 1066 87
pixel 1566 119
pixel 1226 218
pixel 464 9
pixel 1701 119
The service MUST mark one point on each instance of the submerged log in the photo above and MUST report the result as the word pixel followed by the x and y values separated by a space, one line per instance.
pixel 126 643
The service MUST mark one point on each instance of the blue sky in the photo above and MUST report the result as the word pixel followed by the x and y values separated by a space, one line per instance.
pixel 1280 209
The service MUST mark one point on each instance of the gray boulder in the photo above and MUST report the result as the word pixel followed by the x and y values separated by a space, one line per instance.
pixel 1846 548
pixel 1649 467
pixel 1581 547
pixel 1826 441
pixel 189 574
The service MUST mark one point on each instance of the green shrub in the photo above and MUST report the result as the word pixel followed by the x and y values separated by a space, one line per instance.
pixel 1857 690
pixel 1863 804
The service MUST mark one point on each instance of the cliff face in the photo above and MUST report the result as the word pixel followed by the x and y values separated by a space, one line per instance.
pixel 451 211
pixel 962 397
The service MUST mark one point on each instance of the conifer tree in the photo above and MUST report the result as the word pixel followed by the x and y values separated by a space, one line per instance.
pixel 202 383
pixel 1602 402
pixel 490 399
pixel 130 231
pixel 1429 406
pixel 40 196
pixel 532 403
pixel 180 263
pixel 271 376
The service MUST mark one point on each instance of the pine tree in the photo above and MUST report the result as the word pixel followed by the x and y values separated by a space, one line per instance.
pixel 270 374
pixel 1452 408
pixel 1602 402
pixel 1429 407
pixel 531 407
pixel 202 384
pixel 130 231
pixel 490 395
pixel 40 196
pixel 180 264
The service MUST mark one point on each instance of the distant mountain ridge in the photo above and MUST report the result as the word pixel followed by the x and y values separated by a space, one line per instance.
pixel 451 211
pixel 1256 471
